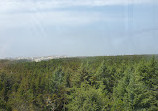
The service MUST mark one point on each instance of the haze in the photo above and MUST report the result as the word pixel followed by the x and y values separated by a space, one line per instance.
pixel 78 27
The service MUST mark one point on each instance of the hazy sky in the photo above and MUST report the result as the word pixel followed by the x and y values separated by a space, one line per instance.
pixel 78 27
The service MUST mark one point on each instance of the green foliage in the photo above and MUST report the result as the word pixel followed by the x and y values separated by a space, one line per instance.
pixel 87 98
pixel 118 83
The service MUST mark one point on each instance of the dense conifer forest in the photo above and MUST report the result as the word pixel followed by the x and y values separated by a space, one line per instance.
pixel 109 83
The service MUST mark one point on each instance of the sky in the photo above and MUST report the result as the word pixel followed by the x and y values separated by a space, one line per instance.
pixel 32 28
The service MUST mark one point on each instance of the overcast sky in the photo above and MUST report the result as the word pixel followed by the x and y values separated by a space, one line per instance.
pixel 78 27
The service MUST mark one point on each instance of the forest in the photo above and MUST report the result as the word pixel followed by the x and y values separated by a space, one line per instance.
pixel 102 83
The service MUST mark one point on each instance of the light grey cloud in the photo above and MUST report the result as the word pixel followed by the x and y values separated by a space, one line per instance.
pixel 54 18
pixel 31 5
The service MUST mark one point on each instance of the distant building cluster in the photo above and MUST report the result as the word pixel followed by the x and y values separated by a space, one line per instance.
pixel 37 59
